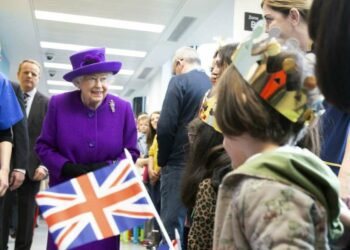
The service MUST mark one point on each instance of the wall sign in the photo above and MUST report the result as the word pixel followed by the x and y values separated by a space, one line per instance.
pixel 250 19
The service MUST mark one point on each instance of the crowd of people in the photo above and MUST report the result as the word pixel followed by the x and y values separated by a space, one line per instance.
pixel 254 156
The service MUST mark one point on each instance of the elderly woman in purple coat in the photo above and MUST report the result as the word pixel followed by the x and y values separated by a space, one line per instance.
pixel 87 129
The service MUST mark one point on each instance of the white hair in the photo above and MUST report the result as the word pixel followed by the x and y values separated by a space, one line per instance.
pixel 77 80
pixel 187 54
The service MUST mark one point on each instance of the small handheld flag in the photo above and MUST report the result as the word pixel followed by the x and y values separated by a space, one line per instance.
pixel 97 205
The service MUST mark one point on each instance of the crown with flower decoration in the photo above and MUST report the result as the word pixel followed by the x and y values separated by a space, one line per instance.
pixel 206 112
pixel 289 86
pixel 280 73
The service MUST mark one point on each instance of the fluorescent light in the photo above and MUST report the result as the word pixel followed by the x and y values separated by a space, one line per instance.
pixel 58 91
pixel 60 83
pixel 76 47
pixel 98 21
pixel 124 52
pixel 63 46
pixel 69 84
pixel 115 87
pixel 57 65
pixel 126 72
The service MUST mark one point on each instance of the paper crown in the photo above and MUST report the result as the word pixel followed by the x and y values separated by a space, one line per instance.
pixel 206 112
pixel 280 73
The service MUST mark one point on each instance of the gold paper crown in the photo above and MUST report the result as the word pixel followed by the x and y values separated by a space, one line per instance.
pixel 280 73
pixel 206 112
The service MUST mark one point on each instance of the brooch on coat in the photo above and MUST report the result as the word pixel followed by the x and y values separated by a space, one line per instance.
pixel 112 105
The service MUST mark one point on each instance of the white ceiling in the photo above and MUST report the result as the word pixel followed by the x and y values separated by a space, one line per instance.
pixel 21 32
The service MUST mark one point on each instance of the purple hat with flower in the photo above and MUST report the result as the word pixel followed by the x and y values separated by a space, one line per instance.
pixel 89 62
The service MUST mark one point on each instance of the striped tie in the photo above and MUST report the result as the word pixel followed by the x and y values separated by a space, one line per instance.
pixel 25 98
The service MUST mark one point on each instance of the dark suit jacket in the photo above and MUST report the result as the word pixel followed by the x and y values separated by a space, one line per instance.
pixel 35 120
pixel 20 152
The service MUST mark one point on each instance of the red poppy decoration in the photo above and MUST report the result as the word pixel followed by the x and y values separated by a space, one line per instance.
pixel 276 82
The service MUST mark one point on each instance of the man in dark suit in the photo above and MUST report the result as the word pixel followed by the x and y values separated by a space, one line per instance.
pixel 19 159
pixel 35 106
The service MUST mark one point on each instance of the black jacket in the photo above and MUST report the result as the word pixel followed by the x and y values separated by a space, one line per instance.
pixel 35 121
pixel 20 152
pixel 6 135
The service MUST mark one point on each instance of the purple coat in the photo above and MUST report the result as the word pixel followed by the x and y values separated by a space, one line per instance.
pixel 72 132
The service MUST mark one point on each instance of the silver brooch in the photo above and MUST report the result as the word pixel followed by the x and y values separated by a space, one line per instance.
pixel 112 105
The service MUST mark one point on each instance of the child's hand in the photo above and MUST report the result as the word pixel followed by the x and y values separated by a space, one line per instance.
pixel 153 176
pixel 138 162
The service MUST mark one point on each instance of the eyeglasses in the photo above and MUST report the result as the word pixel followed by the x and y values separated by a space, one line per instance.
pixel 93 79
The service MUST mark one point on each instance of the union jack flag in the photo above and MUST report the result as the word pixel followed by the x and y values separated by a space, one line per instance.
pixel 175 244
pixel 95 206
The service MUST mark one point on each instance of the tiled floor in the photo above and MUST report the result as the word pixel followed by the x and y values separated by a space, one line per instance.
pixel 40 235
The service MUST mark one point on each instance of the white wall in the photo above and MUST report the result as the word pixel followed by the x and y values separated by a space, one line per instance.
pixel 158 85
pixel 240 7
pixel 156 88
pixel 206 52
pixel 218 24
pixel 225 22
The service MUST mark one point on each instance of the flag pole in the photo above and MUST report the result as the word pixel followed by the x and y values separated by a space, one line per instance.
pixel 156 215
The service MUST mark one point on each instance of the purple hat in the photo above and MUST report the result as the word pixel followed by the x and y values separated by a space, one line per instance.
pixel 90 61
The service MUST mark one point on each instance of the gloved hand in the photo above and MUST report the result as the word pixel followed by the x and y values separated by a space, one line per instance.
pixel 72 170
pixel 94 166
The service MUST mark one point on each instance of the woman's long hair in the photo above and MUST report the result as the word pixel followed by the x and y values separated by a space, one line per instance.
pixel 151 132
pixel 206 155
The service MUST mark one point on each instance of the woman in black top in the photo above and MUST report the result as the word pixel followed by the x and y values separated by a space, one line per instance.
pixel 5 155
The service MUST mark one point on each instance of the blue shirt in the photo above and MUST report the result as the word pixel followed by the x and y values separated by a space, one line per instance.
pixel 10 110
pixel 334 132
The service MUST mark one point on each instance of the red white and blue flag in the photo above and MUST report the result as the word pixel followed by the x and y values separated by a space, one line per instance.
pixel 175 244
pixel 95 206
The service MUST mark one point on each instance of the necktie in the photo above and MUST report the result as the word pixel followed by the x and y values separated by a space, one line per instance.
pixel 25 99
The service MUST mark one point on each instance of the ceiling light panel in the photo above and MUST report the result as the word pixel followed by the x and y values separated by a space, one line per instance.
pixel 76 47
pixel 59 83
pixel 57 91
pixel 97 21
pixel 115 87
pixel 69 84
pixel 126 72
pixel 57 65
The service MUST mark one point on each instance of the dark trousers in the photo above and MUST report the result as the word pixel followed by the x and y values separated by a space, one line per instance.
pixel 172 211
pixel 154 193
pixel 26 211
pixel 6 214
pixel 14 214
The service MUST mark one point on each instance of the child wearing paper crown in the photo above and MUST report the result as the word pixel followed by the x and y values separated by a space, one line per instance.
pixel 279 196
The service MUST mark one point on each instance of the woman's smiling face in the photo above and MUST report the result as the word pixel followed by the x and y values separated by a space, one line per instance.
pixel 94 88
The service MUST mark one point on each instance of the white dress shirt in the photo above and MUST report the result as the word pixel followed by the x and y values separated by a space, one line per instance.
pixel 30 100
